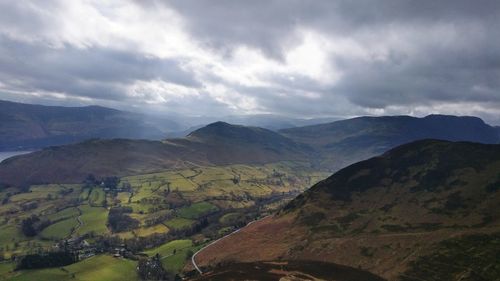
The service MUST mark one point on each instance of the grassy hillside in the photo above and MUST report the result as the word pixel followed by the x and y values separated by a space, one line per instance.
pixel 328 147
pixel 216 144
pixel 97 268
pixel 384 213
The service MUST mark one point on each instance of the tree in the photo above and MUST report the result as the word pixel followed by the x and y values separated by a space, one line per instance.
pixel 111 182
pixel 152 269
pixel 90 181
pixel 28 226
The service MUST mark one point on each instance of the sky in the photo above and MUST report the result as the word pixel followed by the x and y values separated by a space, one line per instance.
pixel 294 58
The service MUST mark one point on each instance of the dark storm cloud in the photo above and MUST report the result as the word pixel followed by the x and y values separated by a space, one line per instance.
pixel 267 23
pixel 454 55
pixel 382 57
pixel 92 72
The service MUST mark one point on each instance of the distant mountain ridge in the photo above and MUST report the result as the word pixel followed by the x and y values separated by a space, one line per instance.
pixel 347 141
pixel 326 147
pixel 384 213
pixel 216 144
pixel 28 126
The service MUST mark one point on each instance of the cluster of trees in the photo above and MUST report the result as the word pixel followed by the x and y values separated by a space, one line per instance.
pixel 51 259
pixel 152 269
pixel 32 225
pixel 111 182
pixel 118 220
pixel 188 231
pixel 158 218
pixel 108 182
pixel 29 206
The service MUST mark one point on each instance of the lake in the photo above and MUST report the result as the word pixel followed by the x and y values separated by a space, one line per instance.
pixel 7 154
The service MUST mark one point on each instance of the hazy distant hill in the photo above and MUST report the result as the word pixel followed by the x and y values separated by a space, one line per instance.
pixel 274 122
pixel 24 126
pixel 328 147
pixel 344 142
pixel 389 215
pixel 216 144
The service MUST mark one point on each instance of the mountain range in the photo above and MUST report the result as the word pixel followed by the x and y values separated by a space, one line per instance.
pixel 28 126
pixel 426 210
pixel 345 142
pixel 327 147
pixel 216 144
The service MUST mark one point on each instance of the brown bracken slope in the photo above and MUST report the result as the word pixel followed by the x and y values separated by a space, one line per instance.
pixel 389 215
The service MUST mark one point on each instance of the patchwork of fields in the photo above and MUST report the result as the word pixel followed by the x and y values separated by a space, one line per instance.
pixel 215 199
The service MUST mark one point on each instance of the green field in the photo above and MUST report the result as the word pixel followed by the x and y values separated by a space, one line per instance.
pixel 9 234
pixel 5 268
pixel 179 223
pixel 97 268
pixel 173 262
pixel 161 202
pixel 230 218
pixel 63 214
pixel 60 230
pixel 97 196
pixel 168 248
pixel 146 231
pixel 196 210
pixel 94 220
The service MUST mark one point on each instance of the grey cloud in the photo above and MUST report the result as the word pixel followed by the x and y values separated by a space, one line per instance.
pixel 453 55
pixel 93 72
pixel 465 68
pixel 267 23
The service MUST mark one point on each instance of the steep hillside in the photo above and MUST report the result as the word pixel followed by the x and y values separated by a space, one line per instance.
pixel 288 270
pixel 215 144
pixel 389 215
pixel 25 126
pixel 348 141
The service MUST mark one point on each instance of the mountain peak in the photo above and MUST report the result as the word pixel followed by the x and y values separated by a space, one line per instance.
pixel 225 130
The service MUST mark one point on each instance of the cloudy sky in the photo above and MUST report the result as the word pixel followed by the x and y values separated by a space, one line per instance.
pixel 290 57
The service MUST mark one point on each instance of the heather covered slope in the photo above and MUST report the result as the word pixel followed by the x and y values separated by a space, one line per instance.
pixel 344 142
pixel 216 144
pixel 386 214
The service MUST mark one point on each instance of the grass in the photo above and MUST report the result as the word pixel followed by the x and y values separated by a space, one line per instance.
pixel 182 184
pixel 123 197
pixel 197 210
pixel 146 231
pixel 48 274
pixel 230 218
pixel 97 268
pixel 60 229
pixel 173 262
pixel 105 268
pixel 94 220
pixel 9 234
pixel 5 268
pixel 214 188
pixel 63 214
pixel 97 196
pixel 179 223
pixel 168 248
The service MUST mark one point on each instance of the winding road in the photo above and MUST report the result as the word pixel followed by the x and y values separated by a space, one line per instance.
pixel 193 261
